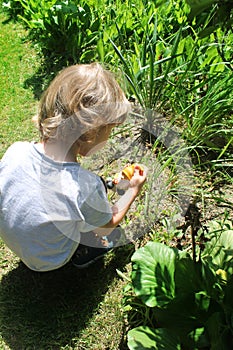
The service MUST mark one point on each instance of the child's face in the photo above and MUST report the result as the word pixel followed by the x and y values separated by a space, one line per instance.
pixel 89 148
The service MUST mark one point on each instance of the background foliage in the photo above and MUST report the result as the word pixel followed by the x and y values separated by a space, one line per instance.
pixel 176 57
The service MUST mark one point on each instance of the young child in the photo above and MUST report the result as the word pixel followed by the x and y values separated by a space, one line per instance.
pixel 47 200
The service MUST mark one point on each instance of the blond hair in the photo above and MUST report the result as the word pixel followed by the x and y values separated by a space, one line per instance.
pixel 80 99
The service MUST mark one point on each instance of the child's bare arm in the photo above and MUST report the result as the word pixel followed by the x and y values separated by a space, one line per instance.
pixel 123 204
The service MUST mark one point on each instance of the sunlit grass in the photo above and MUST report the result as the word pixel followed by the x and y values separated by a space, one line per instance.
pixel 18 62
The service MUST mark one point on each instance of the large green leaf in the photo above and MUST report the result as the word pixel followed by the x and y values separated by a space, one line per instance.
pixel 195 277
pixel 181 315
pixel 228 300
pixel 145 338
pixel 220 337
pixel 153 274
pixel 220 246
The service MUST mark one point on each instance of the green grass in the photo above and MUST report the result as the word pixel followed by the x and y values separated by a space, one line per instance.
pixel 18 62
pixel 66 309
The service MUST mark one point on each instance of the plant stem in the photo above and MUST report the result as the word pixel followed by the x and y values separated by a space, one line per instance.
pixel 193 243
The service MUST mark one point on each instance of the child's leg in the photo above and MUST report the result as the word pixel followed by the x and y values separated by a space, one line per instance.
pixel 86 254
pixel 90 239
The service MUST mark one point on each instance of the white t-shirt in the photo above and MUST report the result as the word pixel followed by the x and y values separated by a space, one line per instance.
pixel 44 205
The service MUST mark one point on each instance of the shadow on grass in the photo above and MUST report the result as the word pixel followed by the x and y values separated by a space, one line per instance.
pixel 47 310
pixel 46 72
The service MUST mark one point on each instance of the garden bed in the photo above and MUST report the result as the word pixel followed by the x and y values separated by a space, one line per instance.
pixel 164 205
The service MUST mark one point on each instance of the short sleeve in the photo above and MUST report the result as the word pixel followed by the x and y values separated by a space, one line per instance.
pixel 96 209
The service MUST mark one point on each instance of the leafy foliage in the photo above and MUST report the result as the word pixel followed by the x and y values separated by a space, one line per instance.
pixel 145 338
pixel 188 303
pixel 221 14
pixel 63 28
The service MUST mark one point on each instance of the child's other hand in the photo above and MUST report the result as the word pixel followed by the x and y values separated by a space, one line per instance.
pixel 139 177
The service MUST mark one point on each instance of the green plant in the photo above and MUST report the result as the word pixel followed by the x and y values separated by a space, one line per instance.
pixel 12 8
pixel 219 12
pixel 63 28
pixel 188 304
pixel 184 76
pixel 206 108
pixel 151 60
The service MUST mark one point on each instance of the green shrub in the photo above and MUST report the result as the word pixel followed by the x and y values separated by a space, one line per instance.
pixel 63 29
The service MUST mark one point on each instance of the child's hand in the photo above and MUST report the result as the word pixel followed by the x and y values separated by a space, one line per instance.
pixel 139 178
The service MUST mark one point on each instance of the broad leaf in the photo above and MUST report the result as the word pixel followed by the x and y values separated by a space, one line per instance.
pixel 153 274
pixel 145 338
pixel 228 300
pixel 220 336
pixel 195 277
pixel 220 247
pixel 180 315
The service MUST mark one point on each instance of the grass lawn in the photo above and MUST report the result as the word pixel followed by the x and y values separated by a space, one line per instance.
pixel 18 62
pixel 68 308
